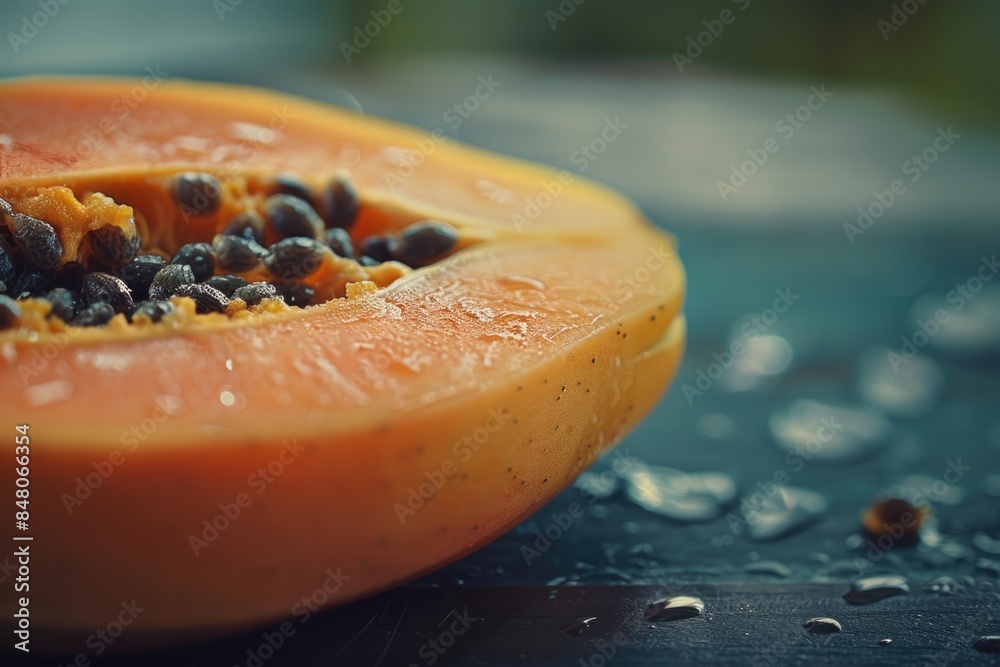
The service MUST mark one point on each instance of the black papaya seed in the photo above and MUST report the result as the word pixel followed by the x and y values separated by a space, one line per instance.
pixel 254 293
pixel 206 299
pixel 295 294
pixel 32 281
pixel 65 303
pixel 423 243
pixel 196 193
pixel 376 247
pixel 291 217
pixel 7 272
pixel 100 287
pixel 248 224
pixel 290 184
pixel 37 240
pixel 139 273
pixel 341 203
pixel 154 310
pixel 226 284
pixel 113 247
pixel 295 258
pixel 339 241
pixel 236 253
pixel 168 279
pixel 94 315
pixel 199 256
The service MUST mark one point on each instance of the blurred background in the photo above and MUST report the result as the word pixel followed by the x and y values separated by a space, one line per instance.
pixel 837 158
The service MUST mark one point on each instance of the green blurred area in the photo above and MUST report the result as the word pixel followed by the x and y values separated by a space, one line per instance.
pixel 943 53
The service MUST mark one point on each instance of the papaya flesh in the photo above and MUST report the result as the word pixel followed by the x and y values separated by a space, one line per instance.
pixel 219 469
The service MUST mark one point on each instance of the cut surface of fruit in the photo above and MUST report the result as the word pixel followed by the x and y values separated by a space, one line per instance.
pixel 265 352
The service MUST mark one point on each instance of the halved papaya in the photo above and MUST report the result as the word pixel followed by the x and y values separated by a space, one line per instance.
pixel 220 469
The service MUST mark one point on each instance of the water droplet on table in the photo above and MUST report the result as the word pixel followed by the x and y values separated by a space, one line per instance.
pixel 687 497
pixel 578 626
pixel 771 567
pixel 872 589
pixel 827 431
pixel 674 608
pixel 821 625
pixel 905 389
pixel 970 333
pixel 597 485
pixel 789 509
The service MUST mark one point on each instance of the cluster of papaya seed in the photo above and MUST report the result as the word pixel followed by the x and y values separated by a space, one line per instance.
pixel 235 264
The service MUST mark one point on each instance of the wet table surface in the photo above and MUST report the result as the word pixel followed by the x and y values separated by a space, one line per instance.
pixel 512 602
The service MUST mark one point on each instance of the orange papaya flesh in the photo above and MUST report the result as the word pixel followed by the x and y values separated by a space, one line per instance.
pixel 380 435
